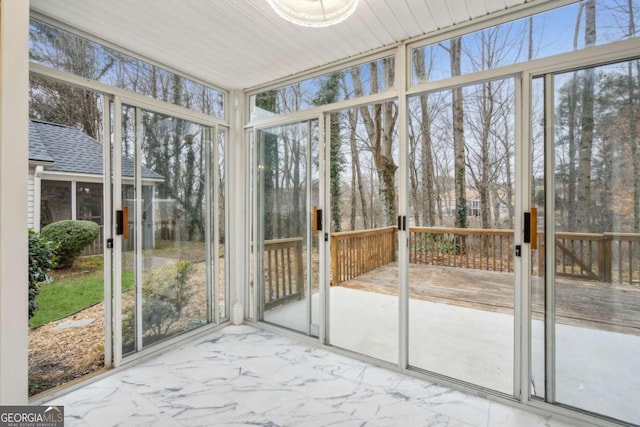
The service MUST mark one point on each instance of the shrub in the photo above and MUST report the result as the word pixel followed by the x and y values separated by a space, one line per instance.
pixel 41 262
pixel 71 237
pixel 166 293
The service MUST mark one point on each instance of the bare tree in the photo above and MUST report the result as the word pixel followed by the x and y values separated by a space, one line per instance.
pixel 427 172
pixel 379 122
pixel 455 50
pixel 583 193
pixel 633 133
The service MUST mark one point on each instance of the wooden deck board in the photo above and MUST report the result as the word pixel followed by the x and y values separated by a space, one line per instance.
pixel 581 303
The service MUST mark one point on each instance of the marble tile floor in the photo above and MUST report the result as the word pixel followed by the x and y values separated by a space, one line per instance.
pixel 244 376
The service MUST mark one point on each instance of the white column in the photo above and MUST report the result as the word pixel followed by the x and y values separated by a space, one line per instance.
pixel 14 136
pixel 237 202
pixel 37 196
pixel 74 207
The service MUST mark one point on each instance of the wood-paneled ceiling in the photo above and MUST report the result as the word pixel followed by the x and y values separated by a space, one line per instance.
pixel 243 43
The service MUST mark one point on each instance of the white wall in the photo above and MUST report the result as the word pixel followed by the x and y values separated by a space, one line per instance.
pixel 14 136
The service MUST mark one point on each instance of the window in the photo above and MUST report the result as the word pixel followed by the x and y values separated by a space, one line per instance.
pixel 545 34
pixel 89 202
pixel 67 52
pixel 349 83
pixel 55 202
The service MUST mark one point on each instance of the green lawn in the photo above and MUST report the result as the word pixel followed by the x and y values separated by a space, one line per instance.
pixel 70 295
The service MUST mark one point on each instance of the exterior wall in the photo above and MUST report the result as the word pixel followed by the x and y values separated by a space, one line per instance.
pixel 14 142
pixel 31 198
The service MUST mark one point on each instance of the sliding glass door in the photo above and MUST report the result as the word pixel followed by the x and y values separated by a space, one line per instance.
pixel 586 304
pixel 287 238
pixel 461 233
pixel 363 183
pixel 168 180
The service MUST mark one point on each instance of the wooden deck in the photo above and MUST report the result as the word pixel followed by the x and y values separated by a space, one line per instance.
pixel 578 302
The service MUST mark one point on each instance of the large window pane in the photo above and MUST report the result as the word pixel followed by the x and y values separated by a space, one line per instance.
pixel 221 203
pixel 167 225
pixel 538 291
pixel 67 52
pixel 597 240
pixel 363 189
pixel 354 82
pixel 573 27
pixel 287 251
pixel 66 336
pixel 461 233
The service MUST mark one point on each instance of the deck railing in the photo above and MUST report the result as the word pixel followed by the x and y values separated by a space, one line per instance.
pixel 355 252
pixel 605 257
pixel 462 247
pixel 283 271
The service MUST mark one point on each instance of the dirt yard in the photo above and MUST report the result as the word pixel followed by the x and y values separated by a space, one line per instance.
pixel 72 347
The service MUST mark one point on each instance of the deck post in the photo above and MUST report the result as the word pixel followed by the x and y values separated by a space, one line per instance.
pixel 605 259
pixel 299 269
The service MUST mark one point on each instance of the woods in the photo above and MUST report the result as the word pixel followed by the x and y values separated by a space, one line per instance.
pixel 462 140
pixel 177 150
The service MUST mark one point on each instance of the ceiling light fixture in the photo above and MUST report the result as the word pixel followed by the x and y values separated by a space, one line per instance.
pixel 314 13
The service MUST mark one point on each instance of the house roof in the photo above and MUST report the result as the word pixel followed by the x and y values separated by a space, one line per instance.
pixel 73 151
pixel 37 150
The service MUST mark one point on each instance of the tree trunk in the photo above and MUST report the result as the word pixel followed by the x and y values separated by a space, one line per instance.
pixel 458 138
pixel 413 176
pixel 633 132
pixel 380 127
pixel 355 159
pixel 427 166
pixel 483 187
pixel 583 215
pixel 571 182
pixel 509 179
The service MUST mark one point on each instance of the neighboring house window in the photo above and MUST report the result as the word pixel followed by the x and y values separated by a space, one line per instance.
pixel 89 202
pixel 55 201
pixel 474 208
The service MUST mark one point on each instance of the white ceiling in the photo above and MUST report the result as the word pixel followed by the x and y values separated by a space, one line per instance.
pixel 237 44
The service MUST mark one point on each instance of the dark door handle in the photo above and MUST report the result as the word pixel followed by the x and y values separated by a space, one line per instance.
pixel 122 223
pixel 317 220
pixel 119 223
pixel 531 228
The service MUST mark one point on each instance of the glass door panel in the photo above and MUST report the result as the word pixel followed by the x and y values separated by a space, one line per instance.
pixel 538 293
pixel 219 266
pixel 68 313
pixel 363 193
pixel 167 212
pixel 128 257
pixel 593 240
pixel 287 250
pixel 461 233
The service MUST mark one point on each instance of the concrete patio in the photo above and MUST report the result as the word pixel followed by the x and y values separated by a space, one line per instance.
pixel 470 337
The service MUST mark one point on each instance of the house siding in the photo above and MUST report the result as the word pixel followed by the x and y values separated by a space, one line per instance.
pixel 31 198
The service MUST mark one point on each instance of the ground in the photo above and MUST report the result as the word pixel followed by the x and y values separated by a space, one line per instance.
pixel 57 356
pixel 67 349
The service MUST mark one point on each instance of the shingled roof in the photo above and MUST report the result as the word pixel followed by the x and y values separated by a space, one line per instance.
pixel 70 150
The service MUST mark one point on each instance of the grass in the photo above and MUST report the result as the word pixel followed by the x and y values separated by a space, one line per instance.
pixel 71 292
pixel 82 285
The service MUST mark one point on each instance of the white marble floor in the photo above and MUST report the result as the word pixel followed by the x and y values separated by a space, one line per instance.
pixel 241 376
